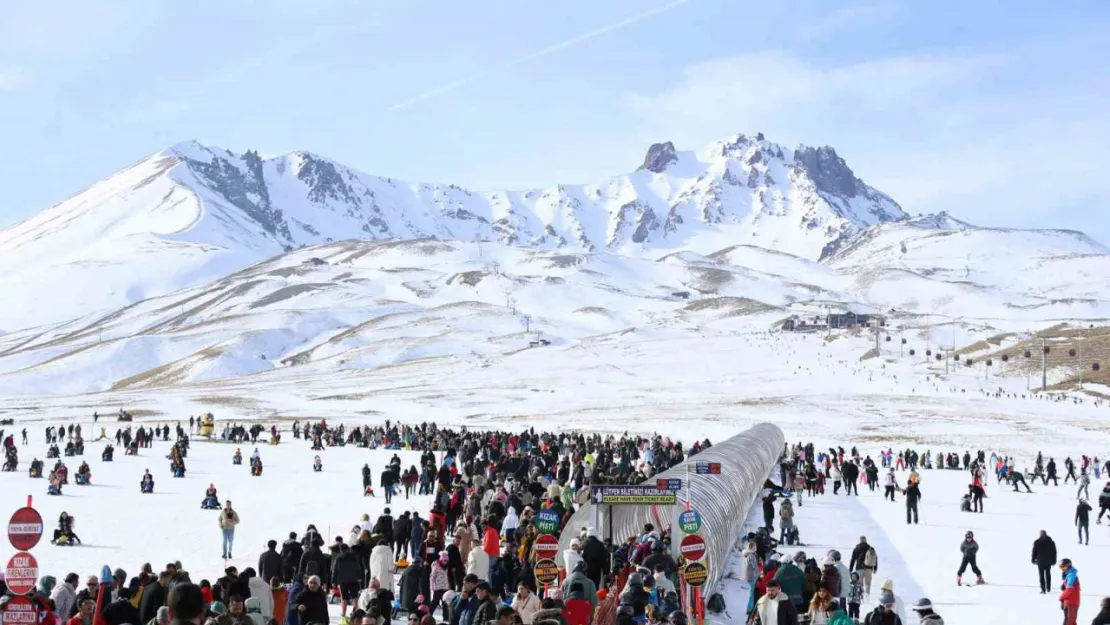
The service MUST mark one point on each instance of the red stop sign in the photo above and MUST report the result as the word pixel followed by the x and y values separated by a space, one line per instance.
pixel 21 573
pixel 25 529
pixel 692 547
pixel 546 546
pixel 19 611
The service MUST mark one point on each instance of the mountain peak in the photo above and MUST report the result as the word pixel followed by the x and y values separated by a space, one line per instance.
pixel 659 157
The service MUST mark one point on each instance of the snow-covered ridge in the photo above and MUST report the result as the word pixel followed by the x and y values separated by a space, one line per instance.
pixel 192 213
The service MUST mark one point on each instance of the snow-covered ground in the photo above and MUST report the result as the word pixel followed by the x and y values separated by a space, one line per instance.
pixel 124 528
pixel 922 560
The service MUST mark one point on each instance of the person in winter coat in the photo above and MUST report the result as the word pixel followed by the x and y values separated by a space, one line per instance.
pixel 865 560
pixel 260 593
pixel 572 556
pixel 311 604
pixel 899 605
pixel 487 607
pixel 924 610
pixel 792 580
pixel 65 597
pixel 844 577
pixel 786 520
pixel 525 603
pixel 439 580
pixel 315 559
pixel 228 520
pixel 120 611
pixel 822 607
pixel 884 613
pixel 1044 557
pixel 292 611
pixel 1083 521
pixel 913 495
pixel 346 573
pixel 1103 616
pixel 749 573
pixel 414 583
pixel 84 616
pixel 491 541
pixel 464 539
pixel 510 525
pixel 154 597
pixel 580 576
pixel 382 565
pixel 291 552
pixel 1070 592
pixel 775 608
pixel 478 564
pixel 597 558
pixel 269 563
pixel 969 549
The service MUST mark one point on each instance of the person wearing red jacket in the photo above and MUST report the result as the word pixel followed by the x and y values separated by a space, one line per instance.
pixel 1069 595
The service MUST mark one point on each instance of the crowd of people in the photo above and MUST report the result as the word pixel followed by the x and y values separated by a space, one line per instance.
pixel 469 562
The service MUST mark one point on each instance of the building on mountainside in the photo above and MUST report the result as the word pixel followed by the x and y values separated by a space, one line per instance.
pixel 838 321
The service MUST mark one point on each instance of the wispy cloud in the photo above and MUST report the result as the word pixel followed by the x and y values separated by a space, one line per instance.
pixel 12 78
pixel 531 56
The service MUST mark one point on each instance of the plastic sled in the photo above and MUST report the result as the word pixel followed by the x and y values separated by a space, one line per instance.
pixel 237 460
pixel 146 489
pixel 81 480
pixel 53 490
pixel 317 468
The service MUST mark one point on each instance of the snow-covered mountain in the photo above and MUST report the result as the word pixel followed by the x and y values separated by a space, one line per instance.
pixel 192 213
pixel 354 306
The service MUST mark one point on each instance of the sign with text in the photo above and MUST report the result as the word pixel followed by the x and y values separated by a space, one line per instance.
pixel 692 547
pixel 21 573
pixel 633 495
pixel 546 546
pixel 689 522
pixel 669 484
pixel 25 528
pixel 547 521
pixel 546 571
pixel 707 468
pixel 695 574
pixel 19 611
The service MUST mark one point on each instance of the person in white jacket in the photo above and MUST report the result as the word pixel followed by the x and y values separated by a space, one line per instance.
pixel 65 597
pixel 478 563
pixel 261 590
pixel 845 579
pixel 510 524
pixel 526 603
pixel 571 557
pixel 381 565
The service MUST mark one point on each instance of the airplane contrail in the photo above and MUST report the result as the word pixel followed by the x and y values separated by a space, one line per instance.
pixel 562 45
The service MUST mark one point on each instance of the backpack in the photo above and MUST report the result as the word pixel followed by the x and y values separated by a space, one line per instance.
pixel 870 559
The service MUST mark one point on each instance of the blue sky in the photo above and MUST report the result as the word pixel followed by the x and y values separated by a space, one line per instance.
pixel 995 112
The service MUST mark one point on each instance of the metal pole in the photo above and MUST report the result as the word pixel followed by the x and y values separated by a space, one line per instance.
pixel 1044 368
pixel 1079 350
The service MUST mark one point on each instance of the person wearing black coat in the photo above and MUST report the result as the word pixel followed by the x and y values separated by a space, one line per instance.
pixel 597 559
pixel 312 604
pixel 414 582
pixel 120 611
pixel 402 530
pixel 291 552
pixel 346 572
pixel 1103 617
pixel 1044 556
pixel 154 597
pixel 769 512
pixel 850 471
pixel 383 529
pixel 315 559
pixel 913 495
pixel 270 563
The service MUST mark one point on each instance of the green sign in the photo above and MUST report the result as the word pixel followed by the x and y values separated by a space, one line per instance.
pixel 689 522
pixel 547 521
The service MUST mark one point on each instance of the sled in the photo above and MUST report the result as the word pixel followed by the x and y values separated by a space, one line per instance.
pixel 237 460
pixel 317 468
pixel 145 489
pixel 53 490
pixel 81 480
